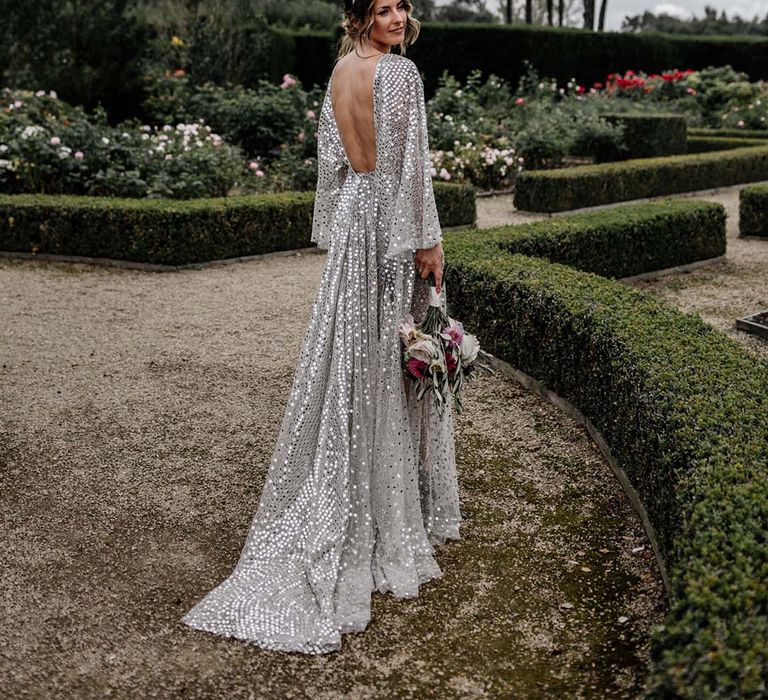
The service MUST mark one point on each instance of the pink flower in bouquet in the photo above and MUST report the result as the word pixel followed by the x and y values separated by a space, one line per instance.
pixel 407 329
pixel 454 333
pixel 450 360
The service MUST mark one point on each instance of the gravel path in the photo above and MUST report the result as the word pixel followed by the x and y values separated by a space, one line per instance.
pixel 139 411
pixel 724 291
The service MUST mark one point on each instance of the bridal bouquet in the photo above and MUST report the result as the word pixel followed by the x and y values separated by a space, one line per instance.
pixel 439 355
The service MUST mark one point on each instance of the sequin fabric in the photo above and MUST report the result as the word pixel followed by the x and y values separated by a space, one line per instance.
pixel 362 482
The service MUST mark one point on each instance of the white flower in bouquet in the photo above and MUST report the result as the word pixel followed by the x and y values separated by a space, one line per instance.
pixel 469 349
pixel 424 349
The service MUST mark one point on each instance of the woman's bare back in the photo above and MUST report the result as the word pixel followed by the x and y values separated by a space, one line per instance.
pixel 352 101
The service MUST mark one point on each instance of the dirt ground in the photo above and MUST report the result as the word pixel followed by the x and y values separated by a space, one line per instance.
pixel 139 411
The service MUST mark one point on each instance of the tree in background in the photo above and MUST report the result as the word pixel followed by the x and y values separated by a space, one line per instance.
pixel 80 48
pixel 465 11
pixel 589 14
pixel 601 19
pixel 221 40
pixel 568 12
pixel 710 23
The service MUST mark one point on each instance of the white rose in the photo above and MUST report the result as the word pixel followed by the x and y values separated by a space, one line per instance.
pixel 469 349
pixel 423 350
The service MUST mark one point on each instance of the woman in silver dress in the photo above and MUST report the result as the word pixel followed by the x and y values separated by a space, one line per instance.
pixel 362 482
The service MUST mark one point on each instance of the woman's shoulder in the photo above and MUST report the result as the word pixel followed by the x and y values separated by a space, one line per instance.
pixel 400 67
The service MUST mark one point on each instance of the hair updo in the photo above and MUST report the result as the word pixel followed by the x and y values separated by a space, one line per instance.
pixel 361 11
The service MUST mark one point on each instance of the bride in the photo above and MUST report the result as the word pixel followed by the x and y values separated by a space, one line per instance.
pixel 362 483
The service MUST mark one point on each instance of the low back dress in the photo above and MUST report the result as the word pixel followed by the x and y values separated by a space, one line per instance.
pixel 362 482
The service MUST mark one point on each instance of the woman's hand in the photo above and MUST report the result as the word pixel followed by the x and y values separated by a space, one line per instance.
pixel 431 260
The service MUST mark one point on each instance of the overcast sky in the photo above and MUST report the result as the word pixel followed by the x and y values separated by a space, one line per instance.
pixel 618 9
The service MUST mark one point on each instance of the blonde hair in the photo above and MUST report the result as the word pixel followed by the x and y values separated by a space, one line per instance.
pixel 362 11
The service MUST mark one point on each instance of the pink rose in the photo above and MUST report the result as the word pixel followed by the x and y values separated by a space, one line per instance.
pixel 406 329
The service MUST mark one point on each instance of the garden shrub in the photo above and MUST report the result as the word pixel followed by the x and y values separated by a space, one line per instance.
pixel 753 210
pixel 455 204
pixel 591 185
pixel 158 231
pixel 707 144
pixel 48 146
pixel 171 232
pixel 729 133
pixel 616 242
pixel 684 410
pixel 258 119
pixel 646 136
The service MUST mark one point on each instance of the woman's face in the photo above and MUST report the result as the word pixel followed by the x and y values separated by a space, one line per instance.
pixel 390 18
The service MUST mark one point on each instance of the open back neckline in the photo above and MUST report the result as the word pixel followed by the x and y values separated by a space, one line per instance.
pixel 375 126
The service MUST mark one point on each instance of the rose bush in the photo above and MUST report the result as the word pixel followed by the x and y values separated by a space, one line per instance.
pixel 49 147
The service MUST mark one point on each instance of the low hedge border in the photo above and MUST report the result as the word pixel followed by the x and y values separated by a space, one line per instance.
pixel 753 211
pixel 706 144
pixel 684 411
pixel 606 183
pixel 179 232
pixel 617 242
pixel 729 133
pixel 166 232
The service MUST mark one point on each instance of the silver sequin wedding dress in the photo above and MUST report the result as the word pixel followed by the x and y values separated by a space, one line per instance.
pixel 362 481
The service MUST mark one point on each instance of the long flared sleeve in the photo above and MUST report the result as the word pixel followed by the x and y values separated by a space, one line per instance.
pixel 414 223
pixel 331 173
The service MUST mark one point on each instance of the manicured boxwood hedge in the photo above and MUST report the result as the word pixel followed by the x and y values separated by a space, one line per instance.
pixel 455 203
pixel 167 232
pixel 753 210
pixel 616 242
pixel 706 144
pixel 684 410
pixel 647 136
pixel 178 232
pixel 501 49
pixel 590 185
